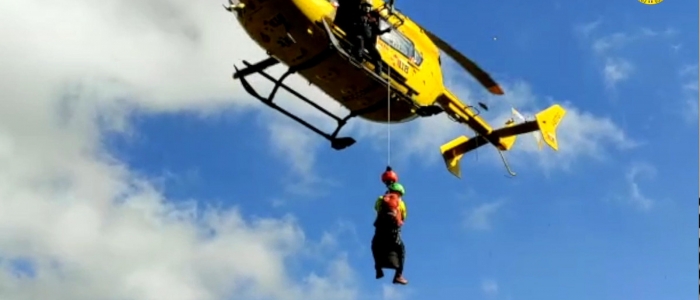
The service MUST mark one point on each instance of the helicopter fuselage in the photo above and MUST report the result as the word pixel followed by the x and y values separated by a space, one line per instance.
pixel 292 32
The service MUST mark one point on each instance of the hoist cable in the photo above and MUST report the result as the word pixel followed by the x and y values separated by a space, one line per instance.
pixel 388 118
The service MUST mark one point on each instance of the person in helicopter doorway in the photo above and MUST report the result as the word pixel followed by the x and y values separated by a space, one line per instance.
pixel 366 32
pixel 388 248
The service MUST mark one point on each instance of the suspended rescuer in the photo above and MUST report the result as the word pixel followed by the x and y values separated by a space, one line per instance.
pixel 387 246
pixel 366 32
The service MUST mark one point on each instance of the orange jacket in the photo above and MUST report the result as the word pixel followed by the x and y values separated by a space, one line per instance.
pixel 402 208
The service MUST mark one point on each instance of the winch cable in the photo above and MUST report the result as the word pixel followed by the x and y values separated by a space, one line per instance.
pixel 388 113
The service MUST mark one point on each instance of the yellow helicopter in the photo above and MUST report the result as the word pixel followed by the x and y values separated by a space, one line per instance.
pixel 309 37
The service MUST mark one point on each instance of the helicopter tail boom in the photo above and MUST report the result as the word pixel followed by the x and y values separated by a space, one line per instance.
pixel 546 122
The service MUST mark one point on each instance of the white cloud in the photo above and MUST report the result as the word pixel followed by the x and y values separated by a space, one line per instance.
pixel 581 134
pixel 615 41
pixel 616 70
pixel 480 217
pixel 390 292
pixel 149 56
pixel 292 142
pixel 298 148
pixel 608 48
pixel 91 227
pixel 489 287
pixel 587 29
pixel 635 174
pixel 610 42
pixel 689 92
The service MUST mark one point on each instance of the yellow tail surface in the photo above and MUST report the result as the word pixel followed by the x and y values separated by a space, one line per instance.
pixel 507 142
pixel 452 155
pixel 546 122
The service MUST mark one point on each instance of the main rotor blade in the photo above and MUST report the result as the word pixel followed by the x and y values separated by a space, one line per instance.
pixel 466 63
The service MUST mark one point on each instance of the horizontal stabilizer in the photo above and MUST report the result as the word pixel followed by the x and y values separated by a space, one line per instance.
pixel 507 141
pixel 453 151
pixel 452 156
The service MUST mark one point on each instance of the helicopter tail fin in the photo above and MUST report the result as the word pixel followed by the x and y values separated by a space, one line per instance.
pixel 547 121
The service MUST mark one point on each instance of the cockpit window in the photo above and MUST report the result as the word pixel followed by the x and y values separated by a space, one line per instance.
pixel 399 42
pixel 417 57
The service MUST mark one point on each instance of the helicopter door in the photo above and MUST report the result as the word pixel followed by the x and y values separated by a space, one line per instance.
pixel 346 14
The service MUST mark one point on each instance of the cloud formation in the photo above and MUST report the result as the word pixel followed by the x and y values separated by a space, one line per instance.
pixel 636 173
pixel 480 217
pixel 616 70
pixel 391 292
pixel 83 224
pixel 489 287
pixel 615 66
pixel 689 92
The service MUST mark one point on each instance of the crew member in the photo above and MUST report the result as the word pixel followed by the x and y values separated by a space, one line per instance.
pixel 366 32
pixel 388 248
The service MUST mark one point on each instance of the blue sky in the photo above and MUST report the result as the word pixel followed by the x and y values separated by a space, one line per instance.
pixel 577 233
pixel 610 216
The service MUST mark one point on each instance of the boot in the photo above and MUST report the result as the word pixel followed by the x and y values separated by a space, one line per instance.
pixel 379 273
pixel 399 279
pixel 378 69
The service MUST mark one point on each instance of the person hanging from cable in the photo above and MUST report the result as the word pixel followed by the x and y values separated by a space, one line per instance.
pixel 388 249
pixel 366 32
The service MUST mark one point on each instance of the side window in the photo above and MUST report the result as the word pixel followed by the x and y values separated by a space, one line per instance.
pixel 399 42
pixel 417 57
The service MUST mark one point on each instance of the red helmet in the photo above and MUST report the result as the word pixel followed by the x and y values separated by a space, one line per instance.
pixel 389 176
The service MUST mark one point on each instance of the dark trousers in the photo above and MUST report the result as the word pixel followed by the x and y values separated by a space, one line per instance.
pixel 363 42
pixel 385 242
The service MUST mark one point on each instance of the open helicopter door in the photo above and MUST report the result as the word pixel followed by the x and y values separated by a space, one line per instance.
pixel 335 44
pixel 346 14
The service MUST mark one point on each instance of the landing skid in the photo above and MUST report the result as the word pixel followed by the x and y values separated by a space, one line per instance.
pixel 337 143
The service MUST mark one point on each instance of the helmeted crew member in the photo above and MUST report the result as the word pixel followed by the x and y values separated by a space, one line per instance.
pixel 366 32
pixel 391 214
